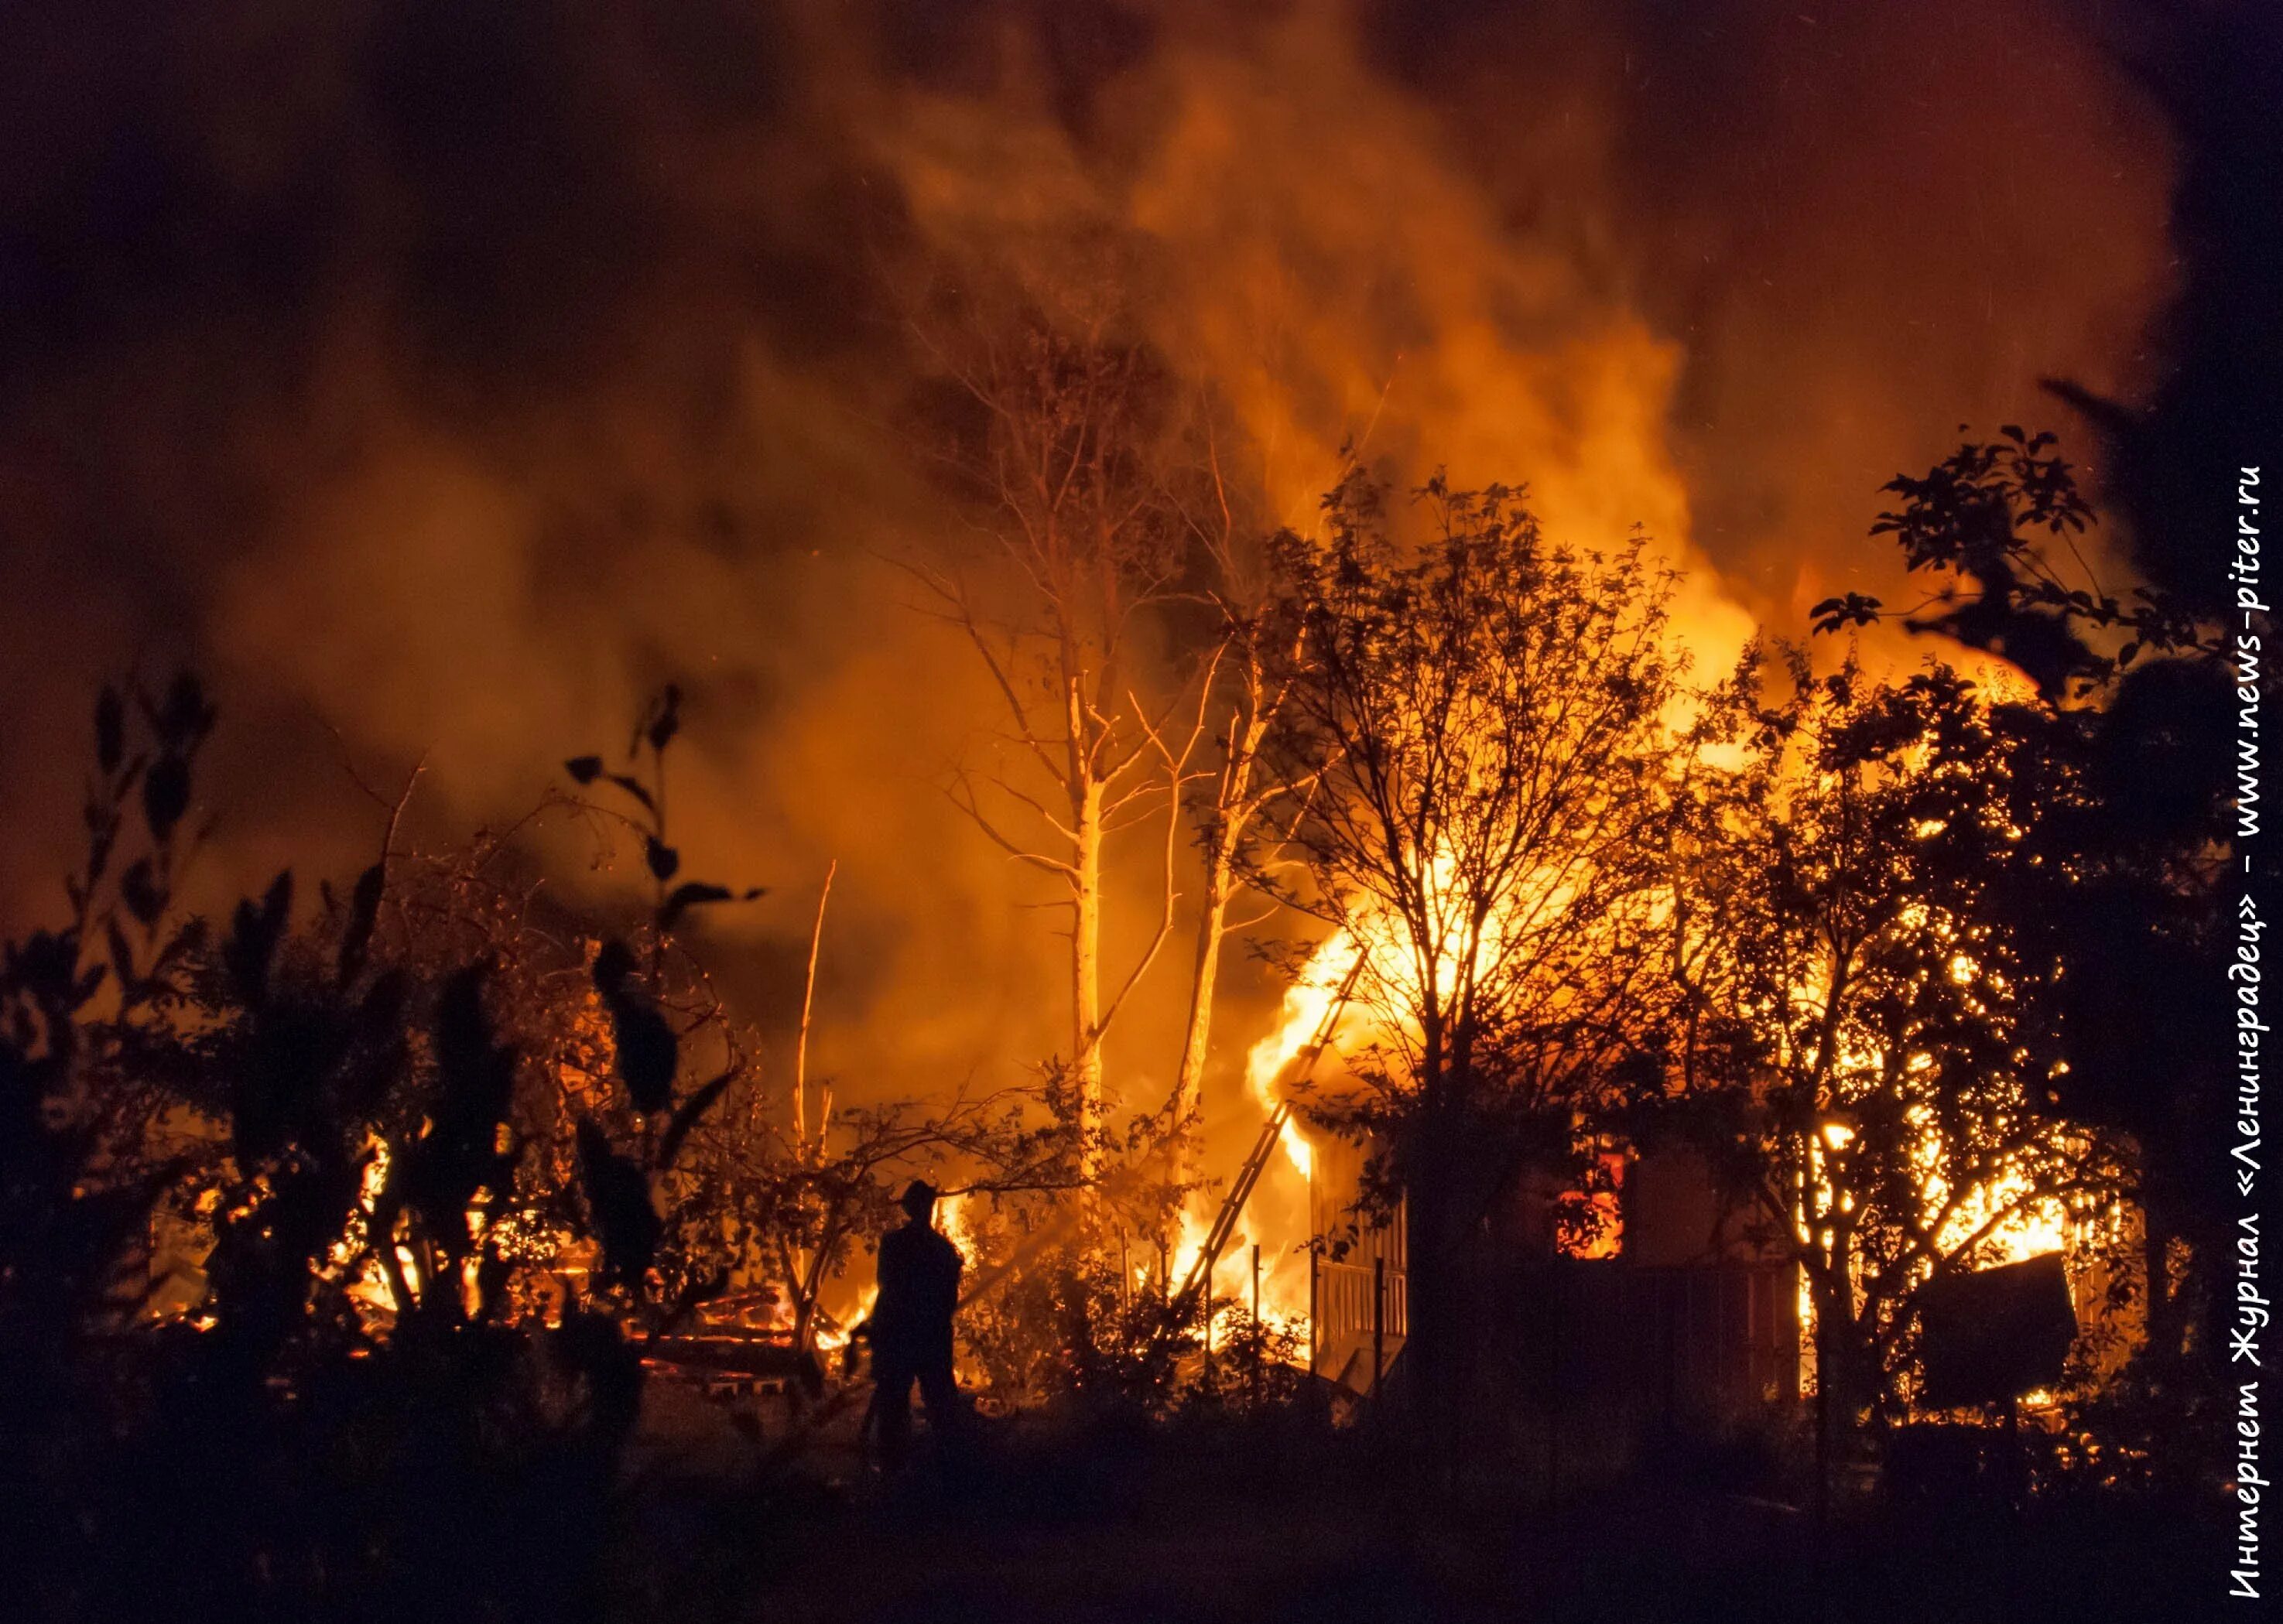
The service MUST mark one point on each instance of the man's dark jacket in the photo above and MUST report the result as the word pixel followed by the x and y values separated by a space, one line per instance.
pixel 919 1293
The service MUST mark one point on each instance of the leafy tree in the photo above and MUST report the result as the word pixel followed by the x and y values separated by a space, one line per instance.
pixel 83 1008
pixel 2119 892
pixel 1866 1051
pixel 1480 719
pixel 1242 688
pixel 1985 523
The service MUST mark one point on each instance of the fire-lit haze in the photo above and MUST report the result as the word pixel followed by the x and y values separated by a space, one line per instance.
pixel 440 378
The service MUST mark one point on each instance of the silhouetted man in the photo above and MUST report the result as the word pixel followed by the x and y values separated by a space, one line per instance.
pixel 911 1326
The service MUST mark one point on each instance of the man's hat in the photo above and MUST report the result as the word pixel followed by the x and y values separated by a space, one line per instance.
pixel 917 1197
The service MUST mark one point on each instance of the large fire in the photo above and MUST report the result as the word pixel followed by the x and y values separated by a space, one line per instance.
pixel 2000 1221
pixel 1355 982
pixel 1400 308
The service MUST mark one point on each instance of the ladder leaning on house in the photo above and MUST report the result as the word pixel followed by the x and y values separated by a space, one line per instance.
pixel 1199 1281
pixel 1240 1191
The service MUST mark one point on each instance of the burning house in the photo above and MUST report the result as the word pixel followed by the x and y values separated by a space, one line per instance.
pixel 1671 1312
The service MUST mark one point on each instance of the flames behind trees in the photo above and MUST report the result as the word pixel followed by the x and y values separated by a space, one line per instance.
pixel 503 469
pixel 1479 735
pixel 593 351
pixel 1865 1053
pixel 1577 897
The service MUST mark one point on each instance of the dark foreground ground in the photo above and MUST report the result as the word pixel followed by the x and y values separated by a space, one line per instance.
pixel 1288 1522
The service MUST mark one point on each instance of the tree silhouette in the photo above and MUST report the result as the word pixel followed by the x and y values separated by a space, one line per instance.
pixel 1867 1055
pixel 1480 722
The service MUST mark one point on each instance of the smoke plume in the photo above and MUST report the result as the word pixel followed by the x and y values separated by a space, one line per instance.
pixel 440 378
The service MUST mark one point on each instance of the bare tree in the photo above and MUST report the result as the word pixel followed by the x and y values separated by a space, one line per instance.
pixel 1242 691
pixel 1056 433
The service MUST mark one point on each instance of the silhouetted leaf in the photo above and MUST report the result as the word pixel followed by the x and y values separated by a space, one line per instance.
pixel 690 893
pixel 381 1052
pixel 661 720
pixel 110 729
pixel 476 1084
pixel 365 909
pixel 122 953
pixel 253 938
pixel 613 964
pixel 618 1197
pixel 685 896
pixel 166 796
pixel 634 787
pixel 586 769
pixel 663 860
pixel 685 1117
pixel 184 717
pixel 668 721
pixel 139 889
pixel 648 1052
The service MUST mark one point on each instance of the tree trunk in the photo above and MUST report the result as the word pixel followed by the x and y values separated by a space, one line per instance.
pixel 1085 973
pixel 1440 1330
pixel 1437 1331
pixel 1212 924
pixel 1839 1370
pixel 1234 803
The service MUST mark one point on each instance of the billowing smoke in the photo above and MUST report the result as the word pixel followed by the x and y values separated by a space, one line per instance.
pixel 440 378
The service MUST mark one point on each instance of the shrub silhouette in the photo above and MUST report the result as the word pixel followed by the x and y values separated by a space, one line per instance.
pixel 331 1110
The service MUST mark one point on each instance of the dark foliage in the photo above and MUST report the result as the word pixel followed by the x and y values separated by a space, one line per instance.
pixel 2123 761
pixel 328 1111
